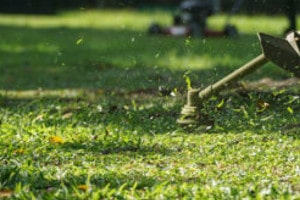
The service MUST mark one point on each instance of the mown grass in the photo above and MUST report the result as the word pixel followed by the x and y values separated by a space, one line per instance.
pixel 89 103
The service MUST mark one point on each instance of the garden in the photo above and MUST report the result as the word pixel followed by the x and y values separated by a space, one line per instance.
pixel 89 103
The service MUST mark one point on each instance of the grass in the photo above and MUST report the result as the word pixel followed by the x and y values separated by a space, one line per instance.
pixel 88 108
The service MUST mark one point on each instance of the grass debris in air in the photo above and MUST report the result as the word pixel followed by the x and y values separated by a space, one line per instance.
pixel 86 112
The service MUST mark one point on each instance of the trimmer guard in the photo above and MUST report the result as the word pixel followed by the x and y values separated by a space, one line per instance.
pixel 282 52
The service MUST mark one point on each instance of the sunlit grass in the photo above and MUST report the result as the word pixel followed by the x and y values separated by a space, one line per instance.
pixel 274 25
pixel 89 102
pixel 112 19
pixel 137 20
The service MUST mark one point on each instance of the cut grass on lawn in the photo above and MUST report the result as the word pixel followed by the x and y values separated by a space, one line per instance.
pixel 89 101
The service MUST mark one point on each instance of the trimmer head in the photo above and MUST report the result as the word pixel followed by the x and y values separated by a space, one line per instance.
pixel 191 112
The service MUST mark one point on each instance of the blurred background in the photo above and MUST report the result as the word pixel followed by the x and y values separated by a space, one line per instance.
pixel 85 43
pixel 53 6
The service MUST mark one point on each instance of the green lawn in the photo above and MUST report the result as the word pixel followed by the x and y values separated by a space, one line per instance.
pixel 89 102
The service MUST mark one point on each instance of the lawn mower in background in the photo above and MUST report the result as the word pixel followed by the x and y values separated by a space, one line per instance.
pixel 192 20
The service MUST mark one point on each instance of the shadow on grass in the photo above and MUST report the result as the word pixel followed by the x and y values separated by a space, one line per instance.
pixel 232 112
pixel 114 146
pixel 66 58
pixel 122 71
pixel 38 182
pixel 95 78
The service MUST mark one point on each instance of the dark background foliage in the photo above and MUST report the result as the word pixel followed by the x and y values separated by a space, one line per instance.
pixel 52 6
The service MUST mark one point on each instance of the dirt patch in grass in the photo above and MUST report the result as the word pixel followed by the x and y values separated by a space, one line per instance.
pixel 268 83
